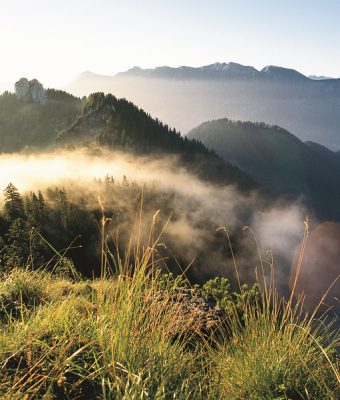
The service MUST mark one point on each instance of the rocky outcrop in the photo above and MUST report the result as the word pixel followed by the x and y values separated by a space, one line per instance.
pixel 195 314
pixel 33 90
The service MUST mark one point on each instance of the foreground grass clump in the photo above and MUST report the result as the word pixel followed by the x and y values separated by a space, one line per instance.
pixel 114 339
pixel 277 354
pixel 124 337
pixel 106 339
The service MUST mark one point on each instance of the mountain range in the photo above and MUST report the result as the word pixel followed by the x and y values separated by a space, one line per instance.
pixel 215 71
pixel 184 97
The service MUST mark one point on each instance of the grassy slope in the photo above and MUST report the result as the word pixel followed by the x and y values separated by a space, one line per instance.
pixel 116 338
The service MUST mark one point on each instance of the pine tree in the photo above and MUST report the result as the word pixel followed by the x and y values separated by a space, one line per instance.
pixel 14 204
pixel 35 210
pixel 18 249
pixel 64 209
pixel 41 203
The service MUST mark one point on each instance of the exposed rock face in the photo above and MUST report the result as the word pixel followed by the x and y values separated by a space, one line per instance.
pixel 22 88
pixel 38 92
pixel 30 90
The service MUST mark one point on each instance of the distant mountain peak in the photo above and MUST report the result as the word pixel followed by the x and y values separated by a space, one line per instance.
pixel 225 66
pixel 86 74
pixel 281 72
pixel 92 75
pixel 135 69
pixel 230 67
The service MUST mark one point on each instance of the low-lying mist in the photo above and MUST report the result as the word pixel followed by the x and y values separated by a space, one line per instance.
pixel 196 208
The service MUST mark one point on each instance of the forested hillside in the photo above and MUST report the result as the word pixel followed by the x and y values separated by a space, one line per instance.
pixel 32 124
pixel 278 160
pixel 64 121
pixel 118 124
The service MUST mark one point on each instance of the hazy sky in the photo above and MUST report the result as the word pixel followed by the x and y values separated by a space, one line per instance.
pixel 56 40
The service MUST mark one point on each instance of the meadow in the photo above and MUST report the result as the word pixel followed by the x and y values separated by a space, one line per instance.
pixel 128 334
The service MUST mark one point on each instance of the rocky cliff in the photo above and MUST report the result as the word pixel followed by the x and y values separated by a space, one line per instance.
pixel 33 90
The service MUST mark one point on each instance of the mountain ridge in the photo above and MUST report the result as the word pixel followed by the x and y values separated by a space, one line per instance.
pixel 101 120
pixel 118 124
pixel 279 160
pixel 222 70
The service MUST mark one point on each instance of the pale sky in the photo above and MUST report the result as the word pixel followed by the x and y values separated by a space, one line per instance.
pixel 54 41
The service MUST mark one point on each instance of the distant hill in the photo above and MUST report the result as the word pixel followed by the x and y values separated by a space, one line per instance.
pixel 278 160
pixel 185 97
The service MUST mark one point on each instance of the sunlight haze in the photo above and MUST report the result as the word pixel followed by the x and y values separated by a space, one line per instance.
pixel 54 42
pixel 169 204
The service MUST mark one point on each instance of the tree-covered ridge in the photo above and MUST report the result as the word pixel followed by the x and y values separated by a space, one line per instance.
pixel 278 160
pixel 120 125
pixel 103 120
pixel 26 123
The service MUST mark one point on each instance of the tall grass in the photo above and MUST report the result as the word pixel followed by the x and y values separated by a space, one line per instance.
pixel 122 337
pixel 275 350
pixel 111 338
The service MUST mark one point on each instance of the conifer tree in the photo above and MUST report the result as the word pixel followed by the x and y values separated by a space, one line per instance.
pixel 14 204
pixel 18 249
pixel 35 210
pixel 64 209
